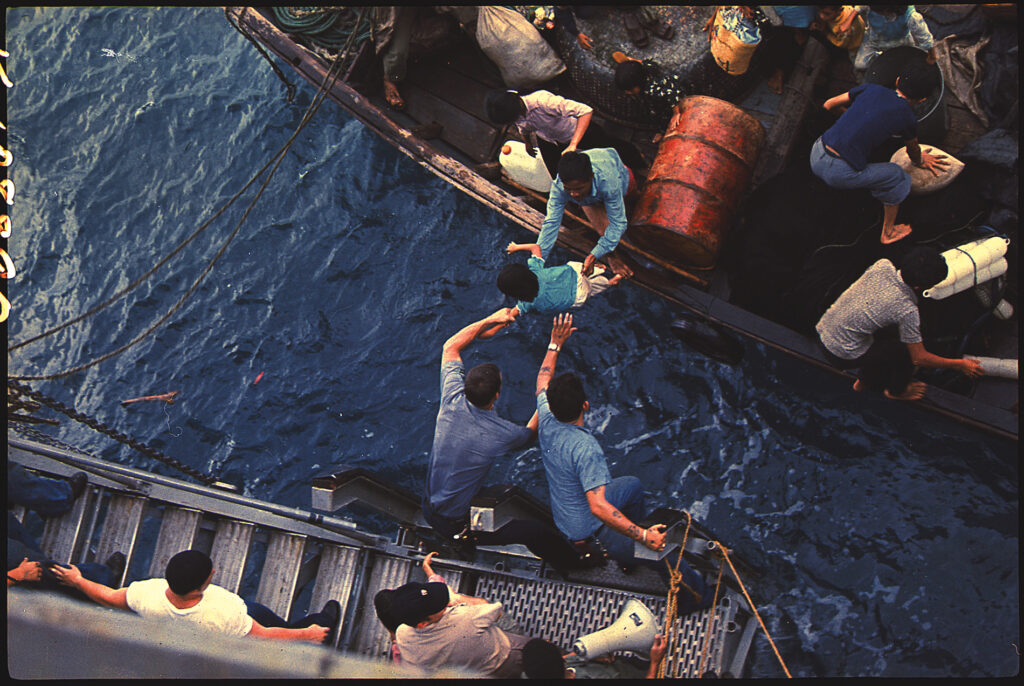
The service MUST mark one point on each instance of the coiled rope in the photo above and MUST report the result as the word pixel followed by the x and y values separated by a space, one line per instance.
pixel 328 27
pixel 329 80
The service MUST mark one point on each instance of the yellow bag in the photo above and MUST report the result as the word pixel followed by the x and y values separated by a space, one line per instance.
pixel 730 53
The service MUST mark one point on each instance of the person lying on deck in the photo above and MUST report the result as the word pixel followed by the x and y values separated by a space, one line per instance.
pixel 186 594
pixel 857 330
pixel 550 289
pixel 599 182
pixel 840 156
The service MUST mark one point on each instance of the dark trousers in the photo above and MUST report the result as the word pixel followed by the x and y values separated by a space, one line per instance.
pixel 541 540
pixel 267 617
pixel 47 497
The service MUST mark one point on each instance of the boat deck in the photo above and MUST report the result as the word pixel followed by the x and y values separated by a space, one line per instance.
pixel 291 559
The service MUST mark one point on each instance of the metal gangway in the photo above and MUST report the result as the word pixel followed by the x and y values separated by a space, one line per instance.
pixel 292 559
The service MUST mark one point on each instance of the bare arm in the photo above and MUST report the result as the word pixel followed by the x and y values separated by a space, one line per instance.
pixel 922 358
pixel 841 100
pixel 581 128
pixel 560 332
pixel 933 163
pixel 314 633
pixel 653 538
pixel 104 595
pixel 485 328
pixel 533 248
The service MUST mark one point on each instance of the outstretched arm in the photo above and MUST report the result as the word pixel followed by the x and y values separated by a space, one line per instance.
pixel 533 248
pixel 841 100
pixel 485 328
pixel 922 358
pixel 314 633
pixel 582 123
pixel 104 595
pixel 560 332
pixel 653 538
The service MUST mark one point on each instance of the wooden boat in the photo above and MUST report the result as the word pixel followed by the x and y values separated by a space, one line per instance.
pixel 445 91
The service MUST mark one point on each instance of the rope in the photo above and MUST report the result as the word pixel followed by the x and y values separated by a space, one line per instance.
pixel 328 27
pixel 675 581
pixel 725 556
pixel 711 620
pixel 96 425
pixel 332 76
pixel 273 65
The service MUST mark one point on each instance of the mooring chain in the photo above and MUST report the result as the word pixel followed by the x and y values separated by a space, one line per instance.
pixel 96 425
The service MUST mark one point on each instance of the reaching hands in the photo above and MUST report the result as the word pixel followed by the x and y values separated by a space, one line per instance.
pixel 561 329
pixel 69 576
pixel 936 164
pixel 584 41
pixel 26 571
pixel 970 367
pixel 427 569
pixel 655 538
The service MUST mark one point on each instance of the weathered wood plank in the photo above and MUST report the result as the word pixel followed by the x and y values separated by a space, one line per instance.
pixel 178 530
pixel 463 131
pixel 281 572
pixel 230 552
pixel 335 577
pixel 62 535
pixel 121 529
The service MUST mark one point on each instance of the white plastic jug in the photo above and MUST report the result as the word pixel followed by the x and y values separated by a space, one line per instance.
pixel 525 170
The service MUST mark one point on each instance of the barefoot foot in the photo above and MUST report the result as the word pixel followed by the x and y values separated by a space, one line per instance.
pixel 913 391
pixel 896 233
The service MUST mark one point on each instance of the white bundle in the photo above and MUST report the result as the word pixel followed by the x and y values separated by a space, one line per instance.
pixel 970 264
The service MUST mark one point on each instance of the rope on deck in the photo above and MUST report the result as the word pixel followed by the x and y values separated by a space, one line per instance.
pixel 329 27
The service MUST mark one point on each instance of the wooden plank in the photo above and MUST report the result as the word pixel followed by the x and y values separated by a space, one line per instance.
pixel 63 535
pixel 371 639
pixel 463 131
pixel 178 530
pixel 281 572
pixel 121 529
pixel 452 86
pixel 335 577
pixel 230 551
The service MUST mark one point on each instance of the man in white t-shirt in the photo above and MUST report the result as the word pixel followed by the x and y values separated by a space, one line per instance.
pixel 434 634
pixel 186 593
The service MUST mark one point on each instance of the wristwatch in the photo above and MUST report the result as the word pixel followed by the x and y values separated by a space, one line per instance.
pixel 553 346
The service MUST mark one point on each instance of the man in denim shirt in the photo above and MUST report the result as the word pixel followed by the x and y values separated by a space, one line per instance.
pixel 586 502
pixel 598 181
pixel 468 436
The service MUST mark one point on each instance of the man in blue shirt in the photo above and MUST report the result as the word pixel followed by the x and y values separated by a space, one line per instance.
pixel 875 114
pixel 589 505
pixel 468 436
pixel 598 181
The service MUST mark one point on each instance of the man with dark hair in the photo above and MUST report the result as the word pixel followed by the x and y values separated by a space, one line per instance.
pixel 590 507
pixel 544 660
pixel 859 329
pixel 468 436
pixel 433 634
pixel 840 156
pixel 599 182
pixel 186 593
pixel 657 91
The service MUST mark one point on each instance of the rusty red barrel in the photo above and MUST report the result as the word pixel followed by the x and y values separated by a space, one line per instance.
pixel 703 166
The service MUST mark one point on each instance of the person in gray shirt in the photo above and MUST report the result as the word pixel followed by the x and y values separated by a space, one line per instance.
pixel 468 436
pixel 861 328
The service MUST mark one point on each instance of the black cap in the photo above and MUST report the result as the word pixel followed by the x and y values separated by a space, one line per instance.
pixel 414 602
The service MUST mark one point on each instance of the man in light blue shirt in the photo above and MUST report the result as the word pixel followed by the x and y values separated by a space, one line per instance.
pixel 586 502
pixel 597 181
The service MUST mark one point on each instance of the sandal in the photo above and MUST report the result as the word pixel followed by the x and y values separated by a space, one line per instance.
pixel 634 29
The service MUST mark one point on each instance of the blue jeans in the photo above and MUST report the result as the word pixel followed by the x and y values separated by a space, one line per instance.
pixel 267 617
pixel 887 181
pixel 626 493
pixel 47 497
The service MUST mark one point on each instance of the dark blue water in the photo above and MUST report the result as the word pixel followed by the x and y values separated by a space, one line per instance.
pixel 888 536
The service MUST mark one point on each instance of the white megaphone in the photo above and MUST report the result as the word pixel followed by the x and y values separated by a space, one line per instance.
pixel 633 630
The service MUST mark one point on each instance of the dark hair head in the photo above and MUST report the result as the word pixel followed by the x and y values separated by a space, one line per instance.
pixel 543 660
pixel 382 603
pixel 628 75
pixel 482 384
pixel 566 397
pixel 188 571
pixel 918 79
pixel 923 267
pixel 575 166
pixel 503 107
pixel 517 281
